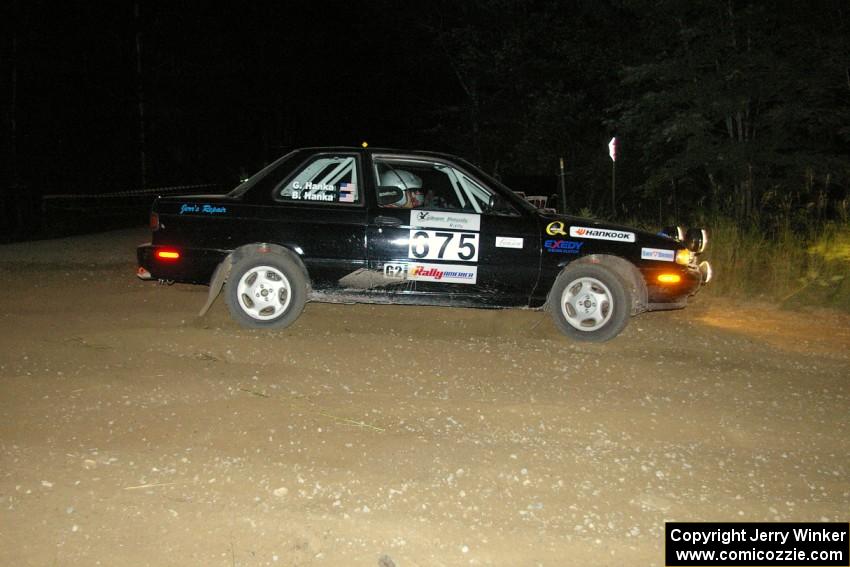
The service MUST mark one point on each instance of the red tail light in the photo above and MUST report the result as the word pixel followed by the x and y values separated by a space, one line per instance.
pixel 167 254
pixel 154 221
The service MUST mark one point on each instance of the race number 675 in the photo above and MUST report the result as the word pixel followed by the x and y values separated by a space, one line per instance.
pixel 436 245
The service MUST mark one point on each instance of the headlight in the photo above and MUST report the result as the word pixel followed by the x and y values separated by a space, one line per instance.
pixel 675 232
pixel 683 256
pixel 696 239
pixel 706 272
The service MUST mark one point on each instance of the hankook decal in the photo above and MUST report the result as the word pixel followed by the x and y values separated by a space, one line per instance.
pixel 602 234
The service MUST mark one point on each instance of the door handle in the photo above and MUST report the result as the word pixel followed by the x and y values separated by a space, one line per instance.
pixel 387 221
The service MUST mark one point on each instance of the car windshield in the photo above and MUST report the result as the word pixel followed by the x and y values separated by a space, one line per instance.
pixel 493 182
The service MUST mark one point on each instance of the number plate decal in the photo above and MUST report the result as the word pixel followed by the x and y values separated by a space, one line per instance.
pixel 439 245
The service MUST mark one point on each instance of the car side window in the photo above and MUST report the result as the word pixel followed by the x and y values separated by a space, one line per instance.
pixel 325 179
pixel 435 186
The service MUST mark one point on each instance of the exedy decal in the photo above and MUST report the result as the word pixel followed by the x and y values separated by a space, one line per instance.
pixel 562 246
pixel 602 234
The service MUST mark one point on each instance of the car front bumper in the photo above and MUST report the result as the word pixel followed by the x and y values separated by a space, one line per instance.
pixel 663 296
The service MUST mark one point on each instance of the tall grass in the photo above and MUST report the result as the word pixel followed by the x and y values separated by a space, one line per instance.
pixel 802 267
pixel 792 259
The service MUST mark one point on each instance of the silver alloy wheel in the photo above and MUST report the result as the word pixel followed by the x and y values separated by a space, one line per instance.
pixel 587 304
pixel 264 293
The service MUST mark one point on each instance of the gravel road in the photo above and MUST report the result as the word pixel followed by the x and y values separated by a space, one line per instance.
pixel 133 433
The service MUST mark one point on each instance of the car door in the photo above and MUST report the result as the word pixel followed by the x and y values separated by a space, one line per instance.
pixel 439 242
pixel 509 257
pixel 319 211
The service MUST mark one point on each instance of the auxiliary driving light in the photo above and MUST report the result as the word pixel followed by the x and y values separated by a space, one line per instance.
pixel 683 256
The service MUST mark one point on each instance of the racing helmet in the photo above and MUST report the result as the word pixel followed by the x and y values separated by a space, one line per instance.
pixel 409 183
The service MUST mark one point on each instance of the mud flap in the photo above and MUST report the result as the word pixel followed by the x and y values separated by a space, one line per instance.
pixel 216 283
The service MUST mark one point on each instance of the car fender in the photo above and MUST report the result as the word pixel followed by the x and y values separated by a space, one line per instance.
pixel 627 271
pixel 222 271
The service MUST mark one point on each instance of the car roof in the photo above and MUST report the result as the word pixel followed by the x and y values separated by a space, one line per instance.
pixel 379 150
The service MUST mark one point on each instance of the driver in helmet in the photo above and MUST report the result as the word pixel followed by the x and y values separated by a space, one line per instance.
pixel 411 185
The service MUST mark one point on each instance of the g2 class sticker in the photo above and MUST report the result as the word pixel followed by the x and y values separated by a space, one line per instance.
pixel 602 234
pixel 508 242
pixel 657 254
pixel 395 271
pixel 440 219
pixel 438 245
pixel 446 273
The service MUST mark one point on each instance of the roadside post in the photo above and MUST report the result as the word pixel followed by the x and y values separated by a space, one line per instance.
pixel 612 151
pixel 563 200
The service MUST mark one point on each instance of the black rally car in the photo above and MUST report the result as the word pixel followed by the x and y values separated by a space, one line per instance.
pixel 411 227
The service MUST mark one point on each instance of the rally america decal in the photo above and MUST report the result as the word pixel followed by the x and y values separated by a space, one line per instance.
pixel 446 273
pixel 657 254
pixel 602 234
pixel 435 219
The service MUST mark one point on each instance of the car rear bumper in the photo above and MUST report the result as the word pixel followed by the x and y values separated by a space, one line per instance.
pixel 194 265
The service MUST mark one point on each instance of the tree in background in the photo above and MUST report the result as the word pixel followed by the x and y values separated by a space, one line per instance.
pixel 743 107
pixel 534 79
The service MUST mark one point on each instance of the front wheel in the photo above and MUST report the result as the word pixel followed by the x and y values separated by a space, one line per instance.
pixel 266 291
pixel 590 302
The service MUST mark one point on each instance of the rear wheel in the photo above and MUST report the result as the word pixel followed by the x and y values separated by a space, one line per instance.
pixel 590 302
pixel 266 291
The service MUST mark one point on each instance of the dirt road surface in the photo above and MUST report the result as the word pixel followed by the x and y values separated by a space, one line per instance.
pixel 132 433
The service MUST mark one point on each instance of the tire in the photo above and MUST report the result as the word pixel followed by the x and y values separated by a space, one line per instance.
pixel 266 290
pixel 590 302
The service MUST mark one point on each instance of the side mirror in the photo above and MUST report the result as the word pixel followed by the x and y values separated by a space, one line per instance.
pixel 389 195
pixel 499 205
pixel 496 203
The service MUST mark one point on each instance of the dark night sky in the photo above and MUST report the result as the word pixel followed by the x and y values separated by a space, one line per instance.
pixel 225 88
pixel 230 87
